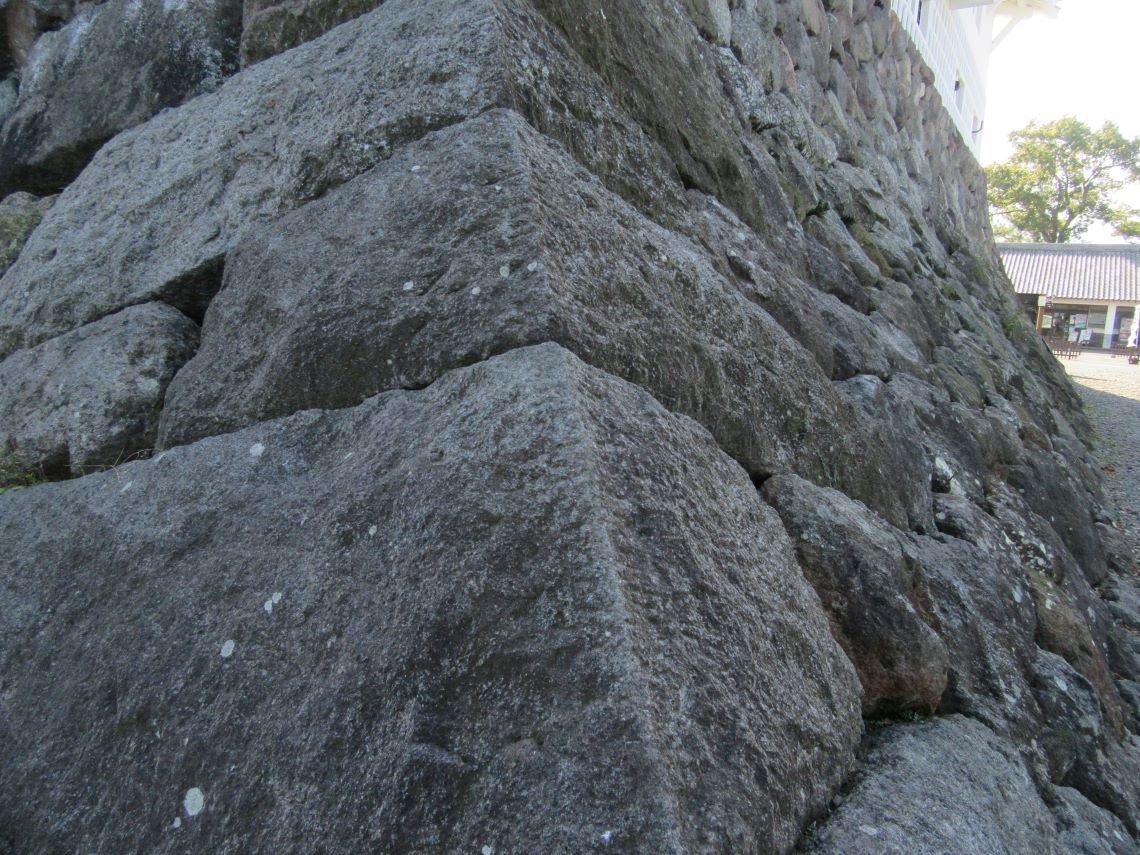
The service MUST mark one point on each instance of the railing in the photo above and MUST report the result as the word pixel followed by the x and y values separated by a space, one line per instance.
pixel 943 43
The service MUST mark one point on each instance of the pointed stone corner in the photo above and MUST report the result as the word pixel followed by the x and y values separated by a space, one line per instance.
pixel 155 212
pixel 111 67
pixel 525 584
pixel 486 236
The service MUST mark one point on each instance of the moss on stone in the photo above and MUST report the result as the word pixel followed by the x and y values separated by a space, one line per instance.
pixel 20 213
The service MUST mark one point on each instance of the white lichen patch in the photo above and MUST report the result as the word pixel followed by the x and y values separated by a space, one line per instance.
pixel 505 271
pixel 194 801
pixel 271 602
pixel 177 822
pixel 606 835
pixel 533 266
pixel 228 648
pixel 476 291
pixel 409 285
pixel 372 531
pixel 488 850
pixel 256 450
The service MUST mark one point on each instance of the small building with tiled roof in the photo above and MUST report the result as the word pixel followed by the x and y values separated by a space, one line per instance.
pixel 1088 294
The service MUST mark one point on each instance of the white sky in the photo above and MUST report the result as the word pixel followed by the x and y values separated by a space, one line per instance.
pixel 1083 63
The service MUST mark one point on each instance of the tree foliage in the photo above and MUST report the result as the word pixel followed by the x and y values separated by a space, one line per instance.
pixel 1063 177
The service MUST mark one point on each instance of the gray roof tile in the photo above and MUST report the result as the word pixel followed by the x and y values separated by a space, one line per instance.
pixel 1108 273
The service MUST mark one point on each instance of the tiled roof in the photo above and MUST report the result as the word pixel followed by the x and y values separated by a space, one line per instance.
pixel 1109 273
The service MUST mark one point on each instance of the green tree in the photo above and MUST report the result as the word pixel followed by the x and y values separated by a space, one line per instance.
pixel 1062 178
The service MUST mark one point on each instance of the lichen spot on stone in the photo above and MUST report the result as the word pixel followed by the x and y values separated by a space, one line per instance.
pixel 533 266
pixel 177 822
pixel 409 285
pixel 606 835
pixel 372 531
pixel 476 291
pixel 416 168
pixel 256 450
pixel 488 850
pixel 193 802
pixel 228 649
pixel 127 486
pixel 505 271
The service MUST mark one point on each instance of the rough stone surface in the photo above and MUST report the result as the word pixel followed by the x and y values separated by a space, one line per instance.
pixel 7 98
pixel 1070 711
pixel 1085 829
pixel 945 785
pixel 986 618
pixel 525 585
pixel 878 602
pixel 154 214
pixel 270 28
pixel 758 213
pixel 20 213
pixel 111 67
pixel 484 237
pixel 92 397
pixel 22 22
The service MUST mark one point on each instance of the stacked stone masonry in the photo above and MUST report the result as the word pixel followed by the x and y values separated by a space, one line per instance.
pixel 525 426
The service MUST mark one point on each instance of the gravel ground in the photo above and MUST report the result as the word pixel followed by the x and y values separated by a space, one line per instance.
pixel 1110 388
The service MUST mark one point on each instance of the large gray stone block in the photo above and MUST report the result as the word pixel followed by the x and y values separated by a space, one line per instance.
pixel 153 215
pixel 487 236
pixel 944 785
pixel 525 609
pixel 91 397
pixel 1085 829
pixel 111 67
pixel 878 601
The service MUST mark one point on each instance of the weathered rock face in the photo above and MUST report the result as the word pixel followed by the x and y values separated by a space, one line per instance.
pixel 269 28
pixel 111 67
pixel 20 213
pixel 953 786
pixel 595 410
pixel 91 397
pixel 485 237
pixel 201 177
pixel 879 602
pixel 409 623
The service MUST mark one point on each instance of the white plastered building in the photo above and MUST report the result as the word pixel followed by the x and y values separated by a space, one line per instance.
pixel 956 38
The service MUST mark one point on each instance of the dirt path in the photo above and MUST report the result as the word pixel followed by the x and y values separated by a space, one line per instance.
pixel 1111 392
